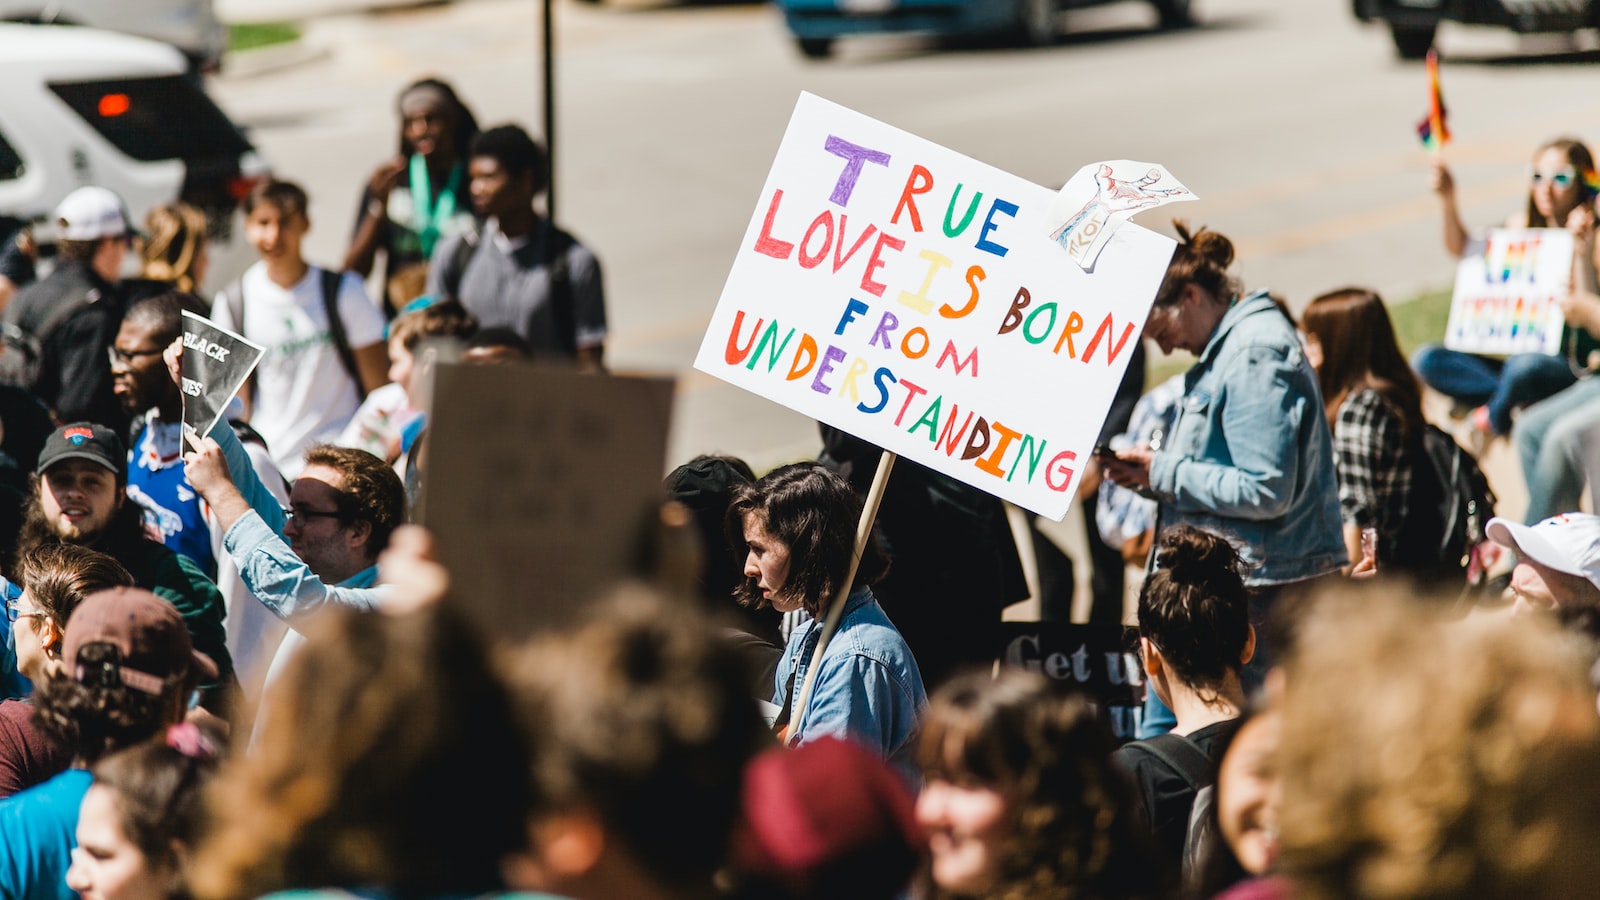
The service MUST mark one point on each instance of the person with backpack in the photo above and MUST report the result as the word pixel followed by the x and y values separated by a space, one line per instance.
pixel 1195 637
pixel 57 330
pixel 519 270
pixel 323 336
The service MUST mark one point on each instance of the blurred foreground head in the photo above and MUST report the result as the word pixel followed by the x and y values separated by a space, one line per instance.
pixel 1427 758
pixel 640 728
pixel 387 760
pixel 1021 799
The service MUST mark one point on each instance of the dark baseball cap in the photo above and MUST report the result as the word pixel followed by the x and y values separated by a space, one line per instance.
pixel 147 631
pixel 84 440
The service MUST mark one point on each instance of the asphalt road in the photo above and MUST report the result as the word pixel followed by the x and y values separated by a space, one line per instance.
pixel 1293 123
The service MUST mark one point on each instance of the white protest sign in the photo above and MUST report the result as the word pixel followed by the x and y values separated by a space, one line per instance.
pixel 1507 298
pixel 1095 202
pixel 913 297
pixel 216 363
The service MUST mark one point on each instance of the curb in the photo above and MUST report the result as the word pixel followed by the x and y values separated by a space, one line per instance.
pixel 276 58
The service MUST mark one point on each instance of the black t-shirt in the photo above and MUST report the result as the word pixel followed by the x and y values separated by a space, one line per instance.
pixel 1164 797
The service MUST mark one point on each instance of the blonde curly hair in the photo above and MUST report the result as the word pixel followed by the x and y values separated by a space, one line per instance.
pixel 1428 758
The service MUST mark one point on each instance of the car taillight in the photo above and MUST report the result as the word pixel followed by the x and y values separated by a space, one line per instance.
pixel 113 105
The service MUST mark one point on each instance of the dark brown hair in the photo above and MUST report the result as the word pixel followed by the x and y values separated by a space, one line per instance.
pixel 1194 607
pixel 286 196
pixel 160 793
pixel 1359 351
pixel 369 491
pixel 1073 831
pixel 99 714
pixel 813 512
pixel 1202 259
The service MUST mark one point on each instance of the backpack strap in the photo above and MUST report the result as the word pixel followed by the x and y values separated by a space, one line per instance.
pixel 233 296
pixel 456 265
pixel 331 281
pixel 563 311
pixel 1182 756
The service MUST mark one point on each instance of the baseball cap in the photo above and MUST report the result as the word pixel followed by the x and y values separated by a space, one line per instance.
pixel 90 213
pixel 147 631
pixel 1568 543
pixel 826 819
pixel 84 440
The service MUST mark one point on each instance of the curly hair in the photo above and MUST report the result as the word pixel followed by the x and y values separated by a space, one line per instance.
pixel 1202 259
pixel 1194 606
pixel 1429 758
pixel 159 792
pixel 98 714
pixel 1074 833
pixel 641 716
pixel 813 512
pixel 466 124
pixel 58 576
pixel 369 490
pixel 389 759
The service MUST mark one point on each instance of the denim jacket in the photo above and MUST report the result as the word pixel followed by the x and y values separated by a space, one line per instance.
pixel 1251 456
pixel 869 688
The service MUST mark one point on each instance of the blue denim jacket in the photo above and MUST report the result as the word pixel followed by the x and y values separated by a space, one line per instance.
pixel 1251 456
pixel 868 689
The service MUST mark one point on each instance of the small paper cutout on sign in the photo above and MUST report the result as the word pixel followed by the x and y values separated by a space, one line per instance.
pixel 1103 195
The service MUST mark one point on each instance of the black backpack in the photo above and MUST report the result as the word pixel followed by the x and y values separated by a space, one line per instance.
pixel 1451 502
pixel 331 282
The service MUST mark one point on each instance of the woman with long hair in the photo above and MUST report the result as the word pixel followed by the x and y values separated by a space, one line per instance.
pixel 1020 797
pixel 420 194
pixel 173 253
pixel 795 528
pixel 1561 194
pixel 1374 406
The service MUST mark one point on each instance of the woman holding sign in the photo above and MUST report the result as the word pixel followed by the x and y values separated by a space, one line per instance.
pixel 1561 194
pixel 1250 455
pixel 795 527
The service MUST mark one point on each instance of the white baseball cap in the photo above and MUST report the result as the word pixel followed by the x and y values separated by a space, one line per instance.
pixel 1568 543
pixel 89 214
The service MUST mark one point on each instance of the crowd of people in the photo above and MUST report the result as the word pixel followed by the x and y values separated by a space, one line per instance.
pixel 231 669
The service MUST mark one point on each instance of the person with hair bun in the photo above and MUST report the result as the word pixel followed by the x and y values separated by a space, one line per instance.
pixel 1250 455
pixel 1195 637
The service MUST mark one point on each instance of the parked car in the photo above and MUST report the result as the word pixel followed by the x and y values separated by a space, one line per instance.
pixel 190 25
pixel 1412 23
pixel 84 106
pixel 817 24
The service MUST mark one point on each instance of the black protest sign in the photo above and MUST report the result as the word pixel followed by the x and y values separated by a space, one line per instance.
pixel 216 363
pixel 1100 660
pixel 540 485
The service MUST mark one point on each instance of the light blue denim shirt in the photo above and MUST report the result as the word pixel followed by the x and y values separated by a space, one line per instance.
pixel 868 689
pixel 1250 455
pixel 272 572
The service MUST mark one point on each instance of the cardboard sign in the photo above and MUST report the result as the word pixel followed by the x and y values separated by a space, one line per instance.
pixel 216 363
pixel 1507 297
pixel 1100 660
pixel 914 298
pixel 540 485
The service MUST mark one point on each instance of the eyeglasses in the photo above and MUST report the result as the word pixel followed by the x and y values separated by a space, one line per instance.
pixel 301 514
pixel 15 610
pixel 126 357
pixel 1561 177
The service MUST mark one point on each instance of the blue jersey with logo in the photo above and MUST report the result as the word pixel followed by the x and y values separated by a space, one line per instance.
pixel 172 510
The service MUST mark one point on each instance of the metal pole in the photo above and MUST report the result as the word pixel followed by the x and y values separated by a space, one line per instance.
pixel 549 62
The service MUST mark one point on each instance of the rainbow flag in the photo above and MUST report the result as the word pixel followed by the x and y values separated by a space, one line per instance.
pixel 1433 130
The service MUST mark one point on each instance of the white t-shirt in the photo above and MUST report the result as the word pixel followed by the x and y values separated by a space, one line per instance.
pixel 303 393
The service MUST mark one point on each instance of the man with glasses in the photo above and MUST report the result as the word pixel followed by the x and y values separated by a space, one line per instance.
pixel 80 497
pixel 323 549
pixel 73 315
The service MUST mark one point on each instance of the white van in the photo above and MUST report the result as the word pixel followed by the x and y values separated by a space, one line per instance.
pixel 94 107
pixel 189 25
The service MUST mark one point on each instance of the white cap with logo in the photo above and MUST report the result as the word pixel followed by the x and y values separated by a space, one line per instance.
pixel 1568 543
pixel 89 214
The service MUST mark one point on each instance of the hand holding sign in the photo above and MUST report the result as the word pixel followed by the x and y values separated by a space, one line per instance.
pixel 216 363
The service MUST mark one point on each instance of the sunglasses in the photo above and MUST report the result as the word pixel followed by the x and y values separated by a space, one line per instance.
pixel 1561 178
